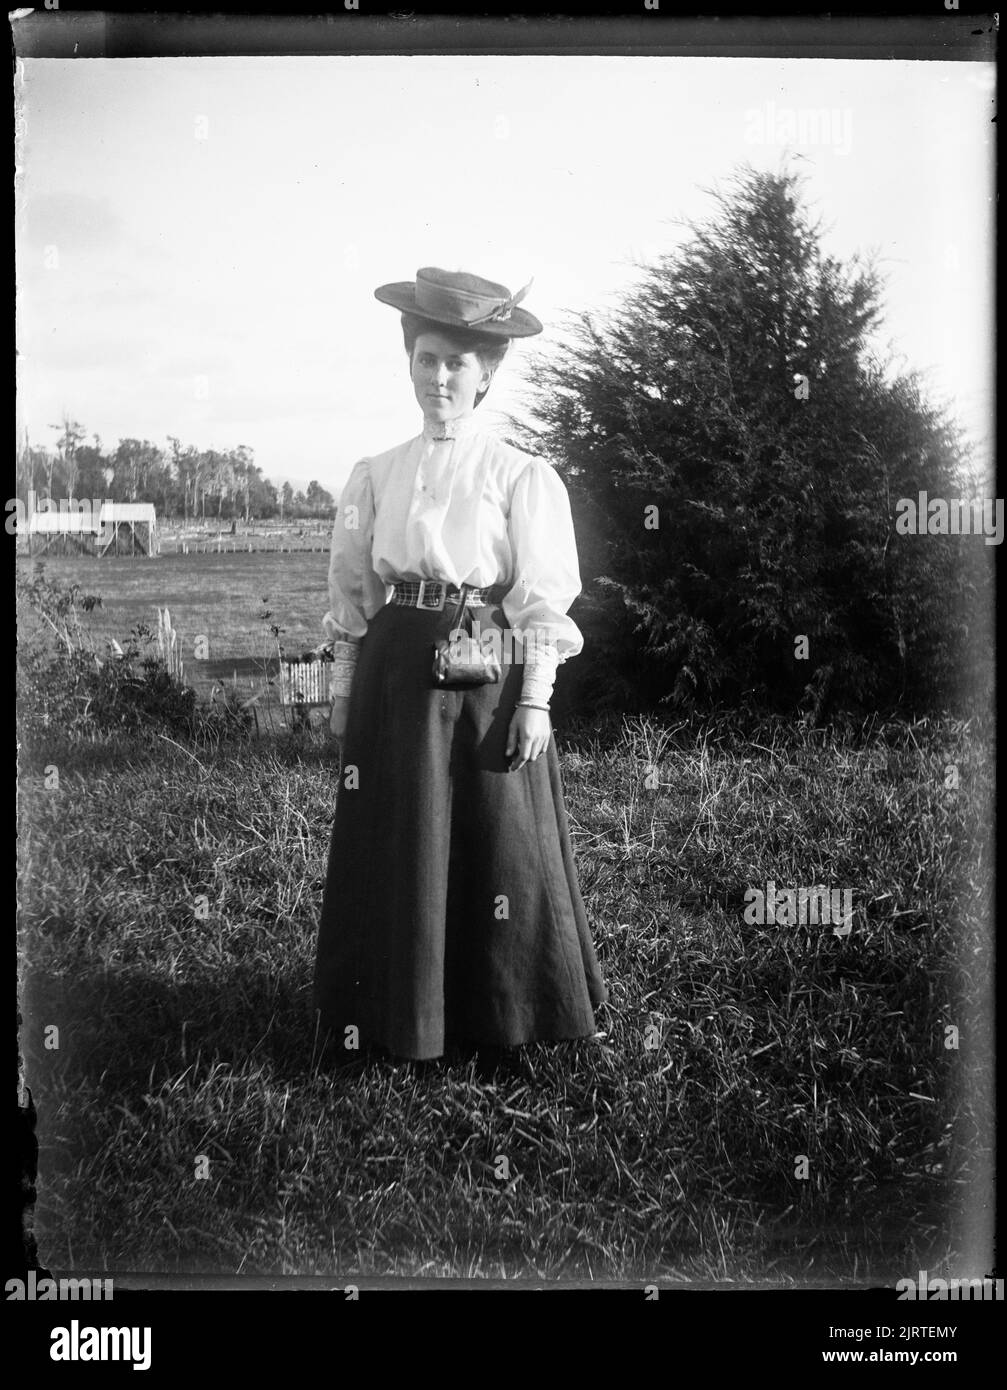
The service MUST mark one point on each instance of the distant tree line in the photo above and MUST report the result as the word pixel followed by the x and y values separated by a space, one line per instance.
pixel 182 481
pixel 735 453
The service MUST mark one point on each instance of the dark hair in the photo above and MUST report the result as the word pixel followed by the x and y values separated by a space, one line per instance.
pixel 490 349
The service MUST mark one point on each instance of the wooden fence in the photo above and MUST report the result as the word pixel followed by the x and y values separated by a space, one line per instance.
pixel 306 539
pixel 295 682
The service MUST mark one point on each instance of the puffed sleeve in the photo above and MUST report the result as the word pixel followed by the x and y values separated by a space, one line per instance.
pixel 547 573
pixel 356 592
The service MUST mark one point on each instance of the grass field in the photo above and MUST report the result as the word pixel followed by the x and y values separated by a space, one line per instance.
pixel 670 1147
pixel 220 597
pixel 209 537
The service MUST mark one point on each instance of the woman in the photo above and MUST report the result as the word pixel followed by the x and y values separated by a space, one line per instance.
pixel 451 908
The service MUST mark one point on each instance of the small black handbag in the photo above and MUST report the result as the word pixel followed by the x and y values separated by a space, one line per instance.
pixel 459 659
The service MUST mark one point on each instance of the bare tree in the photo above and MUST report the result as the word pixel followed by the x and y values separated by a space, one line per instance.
pixel 72 435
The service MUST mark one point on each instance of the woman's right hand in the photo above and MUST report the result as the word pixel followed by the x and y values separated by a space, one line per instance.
pixel 337 718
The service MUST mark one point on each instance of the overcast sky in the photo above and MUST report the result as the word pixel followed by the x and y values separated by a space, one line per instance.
pixel 199 239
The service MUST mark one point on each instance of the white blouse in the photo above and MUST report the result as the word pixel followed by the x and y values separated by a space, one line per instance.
pixel 462 509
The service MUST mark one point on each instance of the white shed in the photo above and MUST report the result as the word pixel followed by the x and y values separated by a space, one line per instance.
pixel 128 528
pixel 64 532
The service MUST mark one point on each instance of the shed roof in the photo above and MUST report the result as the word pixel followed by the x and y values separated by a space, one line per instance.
pixel 65 523
pixel 128 511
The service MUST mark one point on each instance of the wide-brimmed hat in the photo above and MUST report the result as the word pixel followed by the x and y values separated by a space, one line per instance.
pixel 460 300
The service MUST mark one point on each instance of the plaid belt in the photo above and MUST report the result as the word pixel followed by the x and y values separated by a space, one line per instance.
pixel 432 594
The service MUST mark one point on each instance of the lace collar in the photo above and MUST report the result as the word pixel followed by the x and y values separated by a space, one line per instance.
pixel 441 431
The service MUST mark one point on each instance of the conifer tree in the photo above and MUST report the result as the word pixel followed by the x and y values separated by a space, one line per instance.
pixel 734 451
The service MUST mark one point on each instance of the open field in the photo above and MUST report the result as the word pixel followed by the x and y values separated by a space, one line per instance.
pixel 198 538
pixel 292 536
pixel 669 1147
pixel 220 597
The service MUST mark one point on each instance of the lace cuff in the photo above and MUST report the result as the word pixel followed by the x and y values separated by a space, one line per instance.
pixel 539 674
pixel 344 662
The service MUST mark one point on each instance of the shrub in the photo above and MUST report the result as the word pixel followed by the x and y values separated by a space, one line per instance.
pixel 68 691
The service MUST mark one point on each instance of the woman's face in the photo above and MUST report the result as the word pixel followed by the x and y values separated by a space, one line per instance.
pixel 446 381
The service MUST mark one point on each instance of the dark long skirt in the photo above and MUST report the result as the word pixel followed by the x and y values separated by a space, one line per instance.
pixel 451 906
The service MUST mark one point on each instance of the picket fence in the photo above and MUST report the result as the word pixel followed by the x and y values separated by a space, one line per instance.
pixel 301 684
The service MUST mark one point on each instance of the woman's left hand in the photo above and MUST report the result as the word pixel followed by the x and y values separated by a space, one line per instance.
pixel 528 736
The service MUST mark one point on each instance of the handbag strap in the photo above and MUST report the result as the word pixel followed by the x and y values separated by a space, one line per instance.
pixel 462 595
